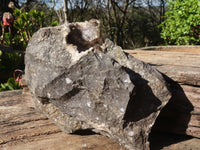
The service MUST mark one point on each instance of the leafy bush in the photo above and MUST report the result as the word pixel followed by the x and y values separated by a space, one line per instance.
pixel 182 25
pixel 7 40
pixel 10 85
pixel 10 61
pixel 54 23
pixel 25 24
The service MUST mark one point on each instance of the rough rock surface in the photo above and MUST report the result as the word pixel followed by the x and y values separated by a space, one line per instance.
pixel 24 128
pixel 80 83
pixel 182 113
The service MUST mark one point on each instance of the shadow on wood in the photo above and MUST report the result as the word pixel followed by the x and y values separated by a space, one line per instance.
pixel 174 117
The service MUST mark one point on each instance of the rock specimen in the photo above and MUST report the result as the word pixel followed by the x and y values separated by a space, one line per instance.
pixel 82 83
pixel 182 113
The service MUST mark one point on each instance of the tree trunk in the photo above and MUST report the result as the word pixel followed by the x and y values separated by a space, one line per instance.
pixel 65 8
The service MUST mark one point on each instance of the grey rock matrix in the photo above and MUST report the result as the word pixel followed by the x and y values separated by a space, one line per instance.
pixel 82 82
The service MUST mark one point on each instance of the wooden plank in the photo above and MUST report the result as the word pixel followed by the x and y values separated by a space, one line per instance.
pixel 184 68
pixel 193 95
pixel 22 127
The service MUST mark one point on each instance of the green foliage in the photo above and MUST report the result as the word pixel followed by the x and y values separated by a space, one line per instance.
pixel 10 61
pixel 26 24
pixel 7 40
pixel 10 85
pixel 127 26
pixel 54 23
pixel 182 26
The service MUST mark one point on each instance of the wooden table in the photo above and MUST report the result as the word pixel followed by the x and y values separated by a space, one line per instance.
pixel 23 127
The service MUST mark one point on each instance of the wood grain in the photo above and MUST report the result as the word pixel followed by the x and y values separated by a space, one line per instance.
pixel 183 66
pixel 23 127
